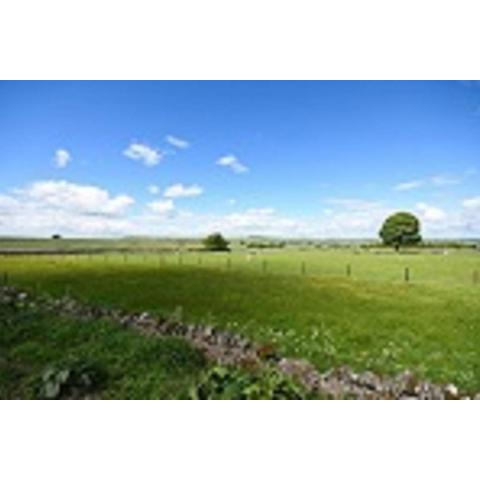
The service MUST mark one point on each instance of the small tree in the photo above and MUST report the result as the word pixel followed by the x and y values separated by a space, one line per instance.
pixel 216 242
pixel 401 229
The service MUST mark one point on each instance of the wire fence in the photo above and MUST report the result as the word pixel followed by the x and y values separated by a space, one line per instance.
pixel 455 270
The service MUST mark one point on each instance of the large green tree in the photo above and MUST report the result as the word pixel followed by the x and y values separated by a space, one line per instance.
pixel 215 242
pixel 401 229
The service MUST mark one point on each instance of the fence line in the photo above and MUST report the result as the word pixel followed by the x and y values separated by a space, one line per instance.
pixel 463 273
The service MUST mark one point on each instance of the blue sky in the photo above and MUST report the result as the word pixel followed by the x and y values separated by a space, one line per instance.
pixel 317 159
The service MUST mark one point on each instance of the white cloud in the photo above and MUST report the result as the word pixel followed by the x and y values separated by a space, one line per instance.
pixel 435 181
pixel 86 199
pixel 7 204
pixel 143 153
pixel 470 220
pixel 153 189
pixel 265 221
pixel 353 203
pixel 177 142
pixel 179 190
pixel 62 158
pixel 472 203
pixel 232 162
pixel 430 213
pixel 161 206
pixel 444 180
pixel 352 222
pixel 47 207
pixel 402 187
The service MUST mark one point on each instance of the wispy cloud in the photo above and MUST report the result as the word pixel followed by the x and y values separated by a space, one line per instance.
pixel 161 206
pixel 405 186
pixel 178 190
pixel 265 220
pixel 444 180
pixel 353 204
pixel 472 203
pixel 177 142
pixel 232 162
pixel 145 154
pixel 153 189
pixel 62 158
pixel 430 213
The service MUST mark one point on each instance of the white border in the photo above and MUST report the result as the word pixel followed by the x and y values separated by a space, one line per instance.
pixel 239 39
pixel 238 440
pixel 369 39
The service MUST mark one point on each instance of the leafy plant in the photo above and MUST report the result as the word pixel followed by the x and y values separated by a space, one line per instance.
pixel 224 383
pixel 69 379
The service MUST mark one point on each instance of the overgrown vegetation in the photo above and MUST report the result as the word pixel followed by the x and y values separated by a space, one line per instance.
pixel 47 357
pixel 70 379
pixel 222 383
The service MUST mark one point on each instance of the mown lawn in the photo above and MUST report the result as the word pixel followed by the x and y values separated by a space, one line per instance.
pixel 383 324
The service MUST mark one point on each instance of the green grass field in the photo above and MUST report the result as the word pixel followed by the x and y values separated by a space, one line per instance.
pixel 134 366
pixel 301 301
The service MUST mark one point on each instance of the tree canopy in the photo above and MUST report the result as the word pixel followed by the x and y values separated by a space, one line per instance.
pixel 215 242
pixel 401 229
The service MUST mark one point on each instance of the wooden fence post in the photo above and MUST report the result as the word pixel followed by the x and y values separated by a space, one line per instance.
pixel 407 274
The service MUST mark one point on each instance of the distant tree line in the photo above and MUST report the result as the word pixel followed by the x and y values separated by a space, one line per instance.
pixel 265 244
pixel 400 230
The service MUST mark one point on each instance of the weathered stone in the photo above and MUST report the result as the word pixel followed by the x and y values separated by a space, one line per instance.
pixel 451 392
pixel 233 349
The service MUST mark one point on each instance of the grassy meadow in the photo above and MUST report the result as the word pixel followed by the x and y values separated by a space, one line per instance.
pixel 331 306
pixel 131 366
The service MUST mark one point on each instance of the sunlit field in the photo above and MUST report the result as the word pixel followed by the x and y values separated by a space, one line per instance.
pixel 372 310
